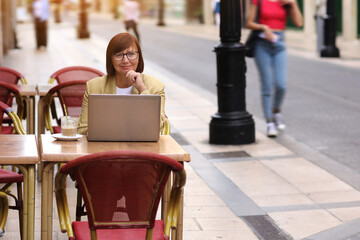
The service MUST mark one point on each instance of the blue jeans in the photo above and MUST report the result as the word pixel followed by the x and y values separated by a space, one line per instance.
pixel 270 59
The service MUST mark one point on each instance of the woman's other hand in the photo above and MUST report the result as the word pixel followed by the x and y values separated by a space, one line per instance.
pixel 136 79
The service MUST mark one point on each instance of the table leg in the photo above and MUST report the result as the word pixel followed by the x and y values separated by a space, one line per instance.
pixel 50 205
pixel 31 202
pixel 46 199
pixel 30 114
pixel 40 130
pixel 179 232
pixel 25 174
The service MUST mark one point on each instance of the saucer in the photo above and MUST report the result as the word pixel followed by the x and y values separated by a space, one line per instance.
pixel 60 137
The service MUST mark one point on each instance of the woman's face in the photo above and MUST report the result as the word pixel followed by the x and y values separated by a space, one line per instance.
pixel 124 63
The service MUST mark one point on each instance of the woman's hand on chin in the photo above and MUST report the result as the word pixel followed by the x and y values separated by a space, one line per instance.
pixel 136 80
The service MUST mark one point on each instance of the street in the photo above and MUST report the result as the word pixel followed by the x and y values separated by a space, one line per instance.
pixel 322 105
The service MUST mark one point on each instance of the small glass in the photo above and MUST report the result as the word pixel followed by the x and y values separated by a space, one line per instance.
pixel 69 126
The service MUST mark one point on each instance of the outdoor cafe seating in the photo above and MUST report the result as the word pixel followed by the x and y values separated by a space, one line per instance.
pixel 49 152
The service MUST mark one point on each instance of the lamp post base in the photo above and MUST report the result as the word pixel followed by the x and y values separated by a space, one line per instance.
pixel 232 130
pixel 330 51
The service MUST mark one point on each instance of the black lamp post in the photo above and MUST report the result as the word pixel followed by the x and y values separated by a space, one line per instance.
pixel 329 49
pixel 82 29
pixel 232 124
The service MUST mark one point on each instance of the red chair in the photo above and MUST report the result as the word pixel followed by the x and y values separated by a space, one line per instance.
pixel 74 73
pixel 17 126
pixel 8 178
pixel 70 95
pixel 11 76
pixel 7 92
pixel 121 191
pixel 71 74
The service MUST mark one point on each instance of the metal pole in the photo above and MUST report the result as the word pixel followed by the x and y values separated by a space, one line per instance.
pixel 82 30
pixel 232 124
pixel 329 48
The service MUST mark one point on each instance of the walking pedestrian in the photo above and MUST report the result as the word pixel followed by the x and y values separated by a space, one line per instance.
pixel 131 16
pixel 270 54
pixel 41 12
pixel 216 9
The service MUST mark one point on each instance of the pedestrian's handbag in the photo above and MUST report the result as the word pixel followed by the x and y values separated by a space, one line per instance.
pixel 250 43
pixel 251 39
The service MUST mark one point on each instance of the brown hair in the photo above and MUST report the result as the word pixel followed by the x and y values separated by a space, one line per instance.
pixel 119 43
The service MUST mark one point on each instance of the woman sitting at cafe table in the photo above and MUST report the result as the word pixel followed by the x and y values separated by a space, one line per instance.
pixel 124 67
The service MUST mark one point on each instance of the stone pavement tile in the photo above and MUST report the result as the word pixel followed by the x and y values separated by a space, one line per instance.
pixel 282 200
pixel 186 123
pixel 215 235
pixel 199 138
pixel 346 214
pixel 299 170
pixel 208 201
pixel 191 225
pixel 322 186
pixel 300 224
pixel 208 212
pixel 223 224
pixel 255 179
pixel 335 196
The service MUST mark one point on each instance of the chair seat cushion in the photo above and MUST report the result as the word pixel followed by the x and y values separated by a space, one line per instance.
pixel 82 232
pixel 7 130
pixel 7 176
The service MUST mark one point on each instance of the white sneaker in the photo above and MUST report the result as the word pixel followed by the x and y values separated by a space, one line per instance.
pixel 271 130
pixel 278 121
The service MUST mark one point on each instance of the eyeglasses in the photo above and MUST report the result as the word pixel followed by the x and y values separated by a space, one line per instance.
pixel 129 55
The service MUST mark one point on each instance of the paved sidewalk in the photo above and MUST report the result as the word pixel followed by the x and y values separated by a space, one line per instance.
pixel 256 191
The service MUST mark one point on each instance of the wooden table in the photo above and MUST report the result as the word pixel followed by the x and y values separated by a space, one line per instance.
pixel 42 89
pixel 28 92
pixel 21 151
pixel 53 152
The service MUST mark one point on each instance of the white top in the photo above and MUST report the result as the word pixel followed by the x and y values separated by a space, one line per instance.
pixel 124 91
pixel 41 9
pixel 131 10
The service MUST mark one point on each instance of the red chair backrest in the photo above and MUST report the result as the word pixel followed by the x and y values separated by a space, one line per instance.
pixel 75 73
pixel 7 91
pixel 70 94
pixel 9 75
pixel 121 189
pixel 4 108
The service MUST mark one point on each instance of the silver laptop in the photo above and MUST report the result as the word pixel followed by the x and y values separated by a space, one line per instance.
pixel 114 117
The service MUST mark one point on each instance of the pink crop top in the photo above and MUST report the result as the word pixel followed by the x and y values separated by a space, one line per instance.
pixel 272 14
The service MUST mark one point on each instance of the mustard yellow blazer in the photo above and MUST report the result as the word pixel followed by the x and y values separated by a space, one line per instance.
pixel 105 85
